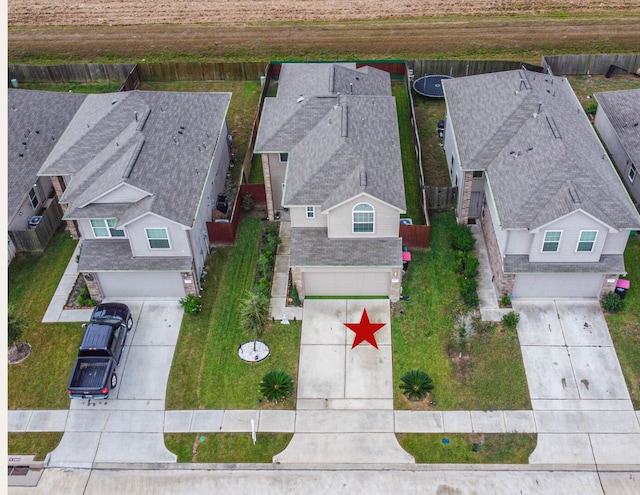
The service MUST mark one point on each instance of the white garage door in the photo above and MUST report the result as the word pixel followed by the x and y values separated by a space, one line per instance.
pixel 346 284
pixel 141 284
pixel 558 285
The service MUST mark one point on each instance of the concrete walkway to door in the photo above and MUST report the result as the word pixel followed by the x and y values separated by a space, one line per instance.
pixel 345 396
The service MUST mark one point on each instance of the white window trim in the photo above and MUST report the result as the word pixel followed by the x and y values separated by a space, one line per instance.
pixel 105 226
pixel 373 220
pixel 633 171
pixel 34 200
pixel 311 212
pixel 593 243
pixel 544 241
pixel 146 233
pixel 280 155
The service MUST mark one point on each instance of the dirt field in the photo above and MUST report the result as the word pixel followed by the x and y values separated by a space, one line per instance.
pixel 112 12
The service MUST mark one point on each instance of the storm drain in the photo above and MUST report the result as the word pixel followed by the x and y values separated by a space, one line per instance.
pixel 24 471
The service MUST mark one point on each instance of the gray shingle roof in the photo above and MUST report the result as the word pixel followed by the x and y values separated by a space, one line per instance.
pixel 161 143
pixel 312 247
pixel 37 118
pixel 115 255
pixel 609 263
pixel 622 108
pixel 541 156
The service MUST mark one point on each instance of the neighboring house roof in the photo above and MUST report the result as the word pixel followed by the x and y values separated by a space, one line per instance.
pixel 339 146
pixel 160 144
pixel 622 108
pixel 608 263
pixel 321 79
pixel 37 118
pixel 541 155
pixel 312 247
pixel 115 255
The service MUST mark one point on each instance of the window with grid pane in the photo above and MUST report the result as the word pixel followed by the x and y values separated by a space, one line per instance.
pixel 158 238
pixel 105 228
pixel 363 218
pixel 551 241
pixel 311 212
pixel 587 240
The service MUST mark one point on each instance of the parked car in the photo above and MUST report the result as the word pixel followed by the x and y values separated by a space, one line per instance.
pixel 94 372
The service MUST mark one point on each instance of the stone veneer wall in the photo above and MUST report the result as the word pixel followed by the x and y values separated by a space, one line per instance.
pixel 608 286
pixel 296 278
pixel 503 282
pixel 59 188
pixel 395 287
pixel 189 283
pixel 267 186
pixel 95 291
pixel 465 187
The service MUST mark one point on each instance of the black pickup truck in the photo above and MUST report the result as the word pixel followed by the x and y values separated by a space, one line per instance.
pixel 94 373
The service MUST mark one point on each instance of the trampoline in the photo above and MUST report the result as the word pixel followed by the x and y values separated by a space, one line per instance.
pixel 430 86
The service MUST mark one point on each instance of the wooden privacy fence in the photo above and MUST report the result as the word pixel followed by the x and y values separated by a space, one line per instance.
pixel 460 68
pixel 224 232
pixel 35 240
pixel 415 236
pixel 564 65
pixel 441 198
pixel 83 73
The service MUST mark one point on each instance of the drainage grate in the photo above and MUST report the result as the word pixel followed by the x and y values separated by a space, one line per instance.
pixel 18 470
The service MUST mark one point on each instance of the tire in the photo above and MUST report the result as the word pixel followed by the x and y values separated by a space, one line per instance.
pixel 114 381
pixel 129 323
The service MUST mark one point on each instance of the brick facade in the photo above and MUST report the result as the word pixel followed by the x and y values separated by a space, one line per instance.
pixel 503 282
pixel 189 283
pixel 608 286
pixel 296 278
pixel 395 287
pixel 59 187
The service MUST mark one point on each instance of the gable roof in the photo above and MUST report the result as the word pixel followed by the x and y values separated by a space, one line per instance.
pixel 339 145
pixel 161 143
pixel 622 108
pixel 541 156
pixel 37 118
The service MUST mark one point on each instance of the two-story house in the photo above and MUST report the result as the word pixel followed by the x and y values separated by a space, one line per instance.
pixel 330 151
pixel 36 119
pixel 618 122
pixel 530 168
pixel 137 174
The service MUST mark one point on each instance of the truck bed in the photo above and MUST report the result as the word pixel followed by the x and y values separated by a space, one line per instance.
pixel 90 374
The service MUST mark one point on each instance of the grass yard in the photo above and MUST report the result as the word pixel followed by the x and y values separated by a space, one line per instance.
pixel 40 382
pixel 226 447
pixel 494 448
pixel 207 372
pixel 490 374
pixel 625 326
pixel 36 444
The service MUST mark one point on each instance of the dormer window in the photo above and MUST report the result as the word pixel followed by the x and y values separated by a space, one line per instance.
pixel 363 218
pixel 158 238
pixel 551 241
pixel 311 212
pixel 105 227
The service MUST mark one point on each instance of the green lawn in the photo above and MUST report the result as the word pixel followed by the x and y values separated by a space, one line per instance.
pixel 490 375
pixel 226 447
pixel 40 382
pixel 494 448
pixel 36 444
pixel 207 372
pixel 625 326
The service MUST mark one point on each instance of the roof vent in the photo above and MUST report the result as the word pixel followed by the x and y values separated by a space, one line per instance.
pixel 114 101
pixel 575 197
pixel 300 99
pixel 344 130
pixel 363 178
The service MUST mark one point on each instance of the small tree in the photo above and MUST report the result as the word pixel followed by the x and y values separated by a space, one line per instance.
pixel 416 385
pixel 254 312
pixel 276 385
pixel 16 324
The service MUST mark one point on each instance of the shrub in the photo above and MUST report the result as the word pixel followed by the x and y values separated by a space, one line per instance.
pixel 462 238
pixel 276 385
pixel 191 304
pixel 263 287
pixel 16 324
pixel 592 108
pixel 505 300
pixel 247 202
pixel 468 292
pixel 416 385
pixel 459 261
pixel 294 295
pixel 84 299
pixel 471 265
pixel 510 320
pixel 612 302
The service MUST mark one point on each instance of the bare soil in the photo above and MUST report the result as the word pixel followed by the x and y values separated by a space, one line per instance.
pixel 279 29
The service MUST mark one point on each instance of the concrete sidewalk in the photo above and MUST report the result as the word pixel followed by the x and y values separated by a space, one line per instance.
pixel 280 283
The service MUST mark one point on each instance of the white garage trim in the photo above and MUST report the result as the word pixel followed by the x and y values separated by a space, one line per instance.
pixel 347 283
pixel 558 285
pixel 141 284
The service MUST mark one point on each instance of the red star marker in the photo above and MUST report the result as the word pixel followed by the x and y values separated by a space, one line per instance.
pixel 364 330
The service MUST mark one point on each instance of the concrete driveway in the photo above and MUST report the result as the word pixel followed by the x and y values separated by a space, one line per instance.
pixel 345 395
pixel 581 405
pixel 128 426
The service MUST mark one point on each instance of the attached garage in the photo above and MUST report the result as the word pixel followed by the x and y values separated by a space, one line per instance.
pixel 346 283
pixel 141 284
pixel 558 285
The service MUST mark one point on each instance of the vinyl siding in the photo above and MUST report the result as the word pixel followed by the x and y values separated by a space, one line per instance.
pixel 277 170
pixel 178 238
pixel 519 242
pixel 490 209
pixel 299 217
pixel 386 219
pixel 122 194
pixel 571 225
